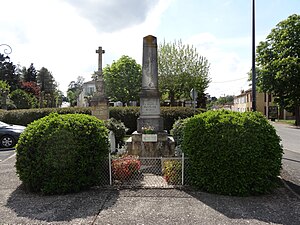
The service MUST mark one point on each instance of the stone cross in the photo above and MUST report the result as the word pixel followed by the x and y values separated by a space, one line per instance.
pixel 149 98
pixel 99 79
pixel 99 100
pixel 100 52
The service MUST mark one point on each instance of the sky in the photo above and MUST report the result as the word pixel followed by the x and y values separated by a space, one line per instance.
pixel 63 35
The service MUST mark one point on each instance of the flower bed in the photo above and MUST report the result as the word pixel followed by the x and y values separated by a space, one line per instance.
pixel 125 167
pixel 172 171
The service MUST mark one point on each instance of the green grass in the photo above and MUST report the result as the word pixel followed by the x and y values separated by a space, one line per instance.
pixel 290 122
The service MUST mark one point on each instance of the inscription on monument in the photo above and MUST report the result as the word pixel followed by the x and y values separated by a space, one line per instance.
pixel 150 106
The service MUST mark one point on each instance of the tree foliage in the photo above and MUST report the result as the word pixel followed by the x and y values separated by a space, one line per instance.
pixel 181 68
pixel 48 88
pixel 278 59
pixel 123 80
pixel 29 74
pixel 4 91
pixel 74 90
pixel 9 73
pixel 31 87
pixel 23 100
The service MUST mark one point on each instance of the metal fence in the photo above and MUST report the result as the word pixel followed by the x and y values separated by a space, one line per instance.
pixel 146 172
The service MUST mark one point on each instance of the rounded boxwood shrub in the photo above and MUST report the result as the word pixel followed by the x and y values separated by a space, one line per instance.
pixel 232 153
pixel 62 153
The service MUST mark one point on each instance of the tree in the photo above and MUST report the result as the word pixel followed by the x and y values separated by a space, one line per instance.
pixel 181 68
pixel 31 88
pixel 29 74
pixel 74 90
pixel 47 84
pixel 23 100
pixel 123 80
pixel 278 59
pixel 8 72
pixel 4 91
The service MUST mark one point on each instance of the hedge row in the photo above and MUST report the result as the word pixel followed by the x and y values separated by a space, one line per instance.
pixel 128 115
pixel 26 116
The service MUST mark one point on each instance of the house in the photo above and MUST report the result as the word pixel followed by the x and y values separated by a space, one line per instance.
pixel 88 89
pixel 264 103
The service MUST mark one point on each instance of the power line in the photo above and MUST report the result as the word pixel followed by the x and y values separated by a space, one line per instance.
pixel 226 81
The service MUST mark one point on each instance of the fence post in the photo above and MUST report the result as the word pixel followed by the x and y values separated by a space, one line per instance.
pixel 109 164
pixel 182 169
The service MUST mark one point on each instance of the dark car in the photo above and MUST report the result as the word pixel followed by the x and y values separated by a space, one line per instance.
pixel 9 134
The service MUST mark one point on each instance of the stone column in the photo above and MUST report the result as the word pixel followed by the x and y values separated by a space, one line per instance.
pixel 149 97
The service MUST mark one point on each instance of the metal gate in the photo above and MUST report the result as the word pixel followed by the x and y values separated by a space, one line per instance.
pixel 147 172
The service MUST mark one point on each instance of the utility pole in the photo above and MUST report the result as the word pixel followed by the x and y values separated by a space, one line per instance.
pixel 253 59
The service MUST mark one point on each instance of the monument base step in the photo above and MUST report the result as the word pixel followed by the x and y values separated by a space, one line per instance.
pixel 164 146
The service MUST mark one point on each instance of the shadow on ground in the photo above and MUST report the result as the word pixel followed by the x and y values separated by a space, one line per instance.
pixel 61 208
pixel 280 207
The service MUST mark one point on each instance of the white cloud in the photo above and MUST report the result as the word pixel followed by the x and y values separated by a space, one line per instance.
pixel 113 15
pixel 52 34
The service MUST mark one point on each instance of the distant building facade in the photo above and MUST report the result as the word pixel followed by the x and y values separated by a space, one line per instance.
pixel 243 103
pixel 88 89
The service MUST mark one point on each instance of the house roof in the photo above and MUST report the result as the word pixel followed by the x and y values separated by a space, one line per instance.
pixel 90 82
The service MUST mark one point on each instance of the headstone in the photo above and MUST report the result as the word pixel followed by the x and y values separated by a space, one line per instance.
pixel 112 141
pixel 149 97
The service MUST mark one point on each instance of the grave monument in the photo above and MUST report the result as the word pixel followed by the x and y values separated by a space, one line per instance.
pixel 150 139
pixel 99 101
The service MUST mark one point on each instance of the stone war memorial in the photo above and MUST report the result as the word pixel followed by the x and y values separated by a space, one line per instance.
pixel 150 139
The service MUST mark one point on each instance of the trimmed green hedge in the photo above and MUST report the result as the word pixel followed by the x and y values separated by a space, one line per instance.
pixel 62 153
pixel 232 153
pixel 26 116
pixel 128 115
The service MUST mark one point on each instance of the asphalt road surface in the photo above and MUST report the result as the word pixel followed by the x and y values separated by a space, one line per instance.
pixel 6 153
pixel 290 136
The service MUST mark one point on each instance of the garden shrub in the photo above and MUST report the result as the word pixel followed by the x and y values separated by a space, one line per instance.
pixel 128 115
pixel 177 133
pixel 172 171
pixel 232 153
pixel 124 167
pixel 119 130
pixel 62 153
pixel 177 130
pixel 22 100
pixel 171 114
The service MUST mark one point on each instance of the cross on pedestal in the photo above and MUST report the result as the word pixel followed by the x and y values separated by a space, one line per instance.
pixel 100 52
pixel 99 99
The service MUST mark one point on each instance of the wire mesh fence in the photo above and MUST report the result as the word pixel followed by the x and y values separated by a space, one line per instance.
pixel 146 172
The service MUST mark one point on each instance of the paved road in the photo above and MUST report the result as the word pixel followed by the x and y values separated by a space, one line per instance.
pixel 290 136
pixel 5 153
pixel 291 159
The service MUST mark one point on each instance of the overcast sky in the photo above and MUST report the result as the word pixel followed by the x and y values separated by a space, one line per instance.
pixel 63 35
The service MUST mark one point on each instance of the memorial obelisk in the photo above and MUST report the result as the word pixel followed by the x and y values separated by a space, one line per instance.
pixel 149 97
pixel 157 143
